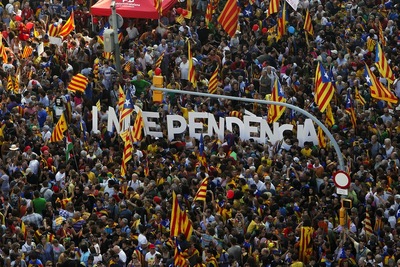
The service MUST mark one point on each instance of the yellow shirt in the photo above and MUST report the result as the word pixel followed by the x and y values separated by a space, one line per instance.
pixel 306 152
pixel 13 25
pixel 152 149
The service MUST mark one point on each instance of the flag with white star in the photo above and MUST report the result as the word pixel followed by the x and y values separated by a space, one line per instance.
pixel 128 107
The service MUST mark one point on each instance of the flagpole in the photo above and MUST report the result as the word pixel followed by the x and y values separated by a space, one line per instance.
pixel 73 152
pixel 308 44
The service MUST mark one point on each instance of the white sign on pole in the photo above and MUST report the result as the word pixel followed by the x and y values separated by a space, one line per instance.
pixel 341 191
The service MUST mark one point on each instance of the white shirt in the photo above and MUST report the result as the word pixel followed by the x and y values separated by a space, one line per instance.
pixel 34 166
pixel 148 58
pixel 122 256
pixel 60 179
pixel 46 135
pixel 184 67
pixel 150 258
pixel 132 32
pixel 142 240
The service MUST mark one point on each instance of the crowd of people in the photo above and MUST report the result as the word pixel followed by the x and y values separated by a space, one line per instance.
pixel 71 206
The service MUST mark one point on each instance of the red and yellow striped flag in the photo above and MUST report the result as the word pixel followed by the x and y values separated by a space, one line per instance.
pixel 324 89
pixel 27 51
pixel 382 64
pixel 16 80
pixel 308 27
pixel 160 59
pixel 58 131
pixel 213 83
pixel 192 70
pixel 179 19
pixel 371 44
pixel 358 97
pixel 69 26
pixel 54 29
pixel 305 246
pixel 128 66
pixel 121 99
pixel 229 17
pixel 209 13
pixel 10 83
pixel 275 111
pixel 202 191
pixel 378 226
pixel 368 225
pixel 179 260
pixel 3 52
pixel 127 153
pixel 282 23
pixel 137 131
pixel 78 83
pixel 120 37
pixel 381 36
pixel 180 223
pixel 321 138
pixel 329 120
pixel 378 91
pixel 273 7
pixel 158 6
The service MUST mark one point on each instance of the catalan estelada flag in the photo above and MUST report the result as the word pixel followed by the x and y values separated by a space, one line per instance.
pixel 213 83
pixel 229 17
pixel 305 245
pixel 282 20
pixel 273 7
pixel 127 108
pixel 324 89
pixel 350 109
pixel 308 27
pixel 382 64
pixel 378 91
pixel 58 131
pixel 69 26
pixel 54 30
pixel 78 83
pixel 275 111
pixel 179 260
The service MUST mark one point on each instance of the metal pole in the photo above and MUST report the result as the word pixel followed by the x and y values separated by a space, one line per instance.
pixel 267 102
pixel 117 53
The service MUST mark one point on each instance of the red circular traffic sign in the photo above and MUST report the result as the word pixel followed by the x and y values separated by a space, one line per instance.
pixel 341 179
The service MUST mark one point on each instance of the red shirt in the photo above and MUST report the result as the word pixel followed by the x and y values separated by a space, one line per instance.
pixel 27 13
